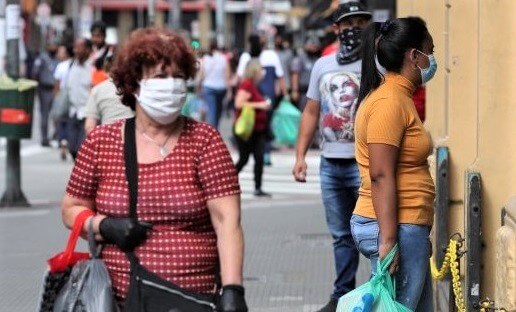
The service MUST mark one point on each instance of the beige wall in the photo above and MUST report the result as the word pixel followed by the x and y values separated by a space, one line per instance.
pixel 470 106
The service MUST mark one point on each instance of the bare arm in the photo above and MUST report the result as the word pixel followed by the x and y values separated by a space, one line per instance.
pixel 90 124
pixel 225 217
pixel 294 78
pixel 282 86
pixel 57 87
pixel 242 99
pixel 71 207
pixel 382 170
pixel 228 76
pixel 307 129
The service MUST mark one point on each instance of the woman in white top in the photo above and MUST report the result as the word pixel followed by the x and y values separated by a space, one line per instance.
pixel 214 79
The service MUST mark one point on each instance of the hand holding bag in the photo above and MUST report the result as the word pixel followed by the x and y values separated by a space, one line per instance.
pixel 60 265
pixel 377 295
pixel 88 288
pixel 147 291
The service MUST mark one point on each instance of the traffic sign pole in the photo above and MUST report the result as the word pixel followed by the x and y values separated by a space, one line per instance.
pixel 13 195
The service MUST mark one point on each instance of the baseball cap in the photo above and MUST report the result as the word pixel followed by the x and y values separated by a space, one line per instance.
pixel 351 8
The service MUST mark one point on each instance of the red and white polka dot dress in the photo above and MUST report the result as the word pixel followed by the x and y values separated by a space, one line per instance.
pixel 172 195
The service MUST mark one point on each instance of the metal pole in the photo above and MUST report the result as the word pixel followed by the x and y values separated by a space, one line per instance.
pixel 98 11
pixel 139 16
pixel 151 11
pixel 220 21
pixel 257 6
pixel 76 19
pixel 13 196
pixel 174 14
pixel 473 241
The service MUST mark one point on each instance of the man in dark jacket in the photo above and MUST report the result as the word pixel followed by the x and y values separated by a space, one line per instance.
pixel 43 71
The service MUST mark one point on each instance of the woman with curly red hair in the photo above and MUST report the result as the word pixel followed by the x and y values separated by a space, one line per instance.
pixel 188 198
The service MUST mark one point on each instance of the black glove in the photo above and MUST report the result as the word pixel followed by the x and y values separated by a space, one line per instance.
pixel 232 299
pixel 124 232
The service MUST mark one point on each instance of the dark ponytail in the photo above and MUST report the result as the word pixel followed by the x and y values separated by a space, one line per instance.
pixel 388 42
pixel 371 77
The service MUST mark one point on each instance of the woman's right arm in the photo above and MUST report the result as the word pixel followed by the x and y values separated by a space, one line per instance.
pixel 242 99
pixel 71 207
pixel 382 171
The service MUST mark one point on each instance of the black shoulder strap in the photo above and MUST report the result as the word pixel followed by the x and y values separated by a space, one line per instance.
pixel 131 165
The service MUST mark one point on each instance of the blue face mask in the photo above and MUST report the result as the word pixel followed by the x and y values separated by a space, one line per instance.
pixel 429 72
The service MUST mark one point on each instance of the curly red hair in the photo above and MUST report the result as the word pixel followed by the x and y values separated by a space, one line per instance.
pixel 148 47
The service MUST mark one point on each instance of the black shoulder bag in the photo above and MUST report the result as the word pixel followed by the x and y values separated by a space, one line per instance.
pixel 147 291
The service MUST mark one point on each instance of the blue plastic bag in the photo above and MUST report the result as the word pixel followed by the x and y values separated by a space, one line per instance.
pixel 377 295
pixel 285 123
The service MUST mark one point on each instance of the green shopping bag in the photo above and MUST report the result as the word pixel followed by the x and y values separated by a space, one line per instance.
pixel 245 123
pixel 285 122
pixel 377 295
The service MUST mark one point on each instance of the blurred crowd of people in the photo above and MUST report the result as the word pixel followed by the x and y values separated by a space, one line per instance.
pixel 76 93
pixel 74 89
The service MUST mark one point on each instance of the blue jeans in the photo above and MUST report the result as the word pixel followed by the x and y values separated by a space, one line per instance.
pixel 413 280
pixel 339 184
pixel 214 99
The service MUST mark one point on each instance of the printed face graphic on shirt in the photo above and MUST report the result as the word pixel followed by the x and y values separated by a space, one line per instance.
pixel 339 102
pixel 343 91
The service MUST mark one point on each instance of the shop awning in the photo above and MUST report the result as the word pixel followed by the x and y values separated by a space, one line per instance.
pixel 122 5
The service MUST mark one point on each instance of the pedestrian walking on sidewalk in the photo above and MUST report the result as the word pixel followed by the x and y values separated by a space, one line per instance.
pixel 332 101
pixel 43 71
pixel 214 82
pixel 64 54
pixel 104 105
pixel 397 192
pixel 272 84
pixel 101 52
pixel 79 86
pixel 187 185
pixel 301 68
pixel 249 95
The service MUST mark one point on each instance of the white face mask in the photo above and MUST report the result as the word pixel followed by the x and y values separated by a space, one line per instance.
pixel 162 98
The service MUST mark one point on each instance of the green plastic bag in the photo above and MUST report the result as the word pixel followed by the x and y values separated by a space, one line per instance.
pixel 285 122
pixel 377 295
pixel 194 107
pixel 245 123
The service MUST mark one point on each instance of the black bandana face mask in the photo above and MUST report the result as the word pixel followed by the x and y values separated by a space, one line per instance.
pixel 350 43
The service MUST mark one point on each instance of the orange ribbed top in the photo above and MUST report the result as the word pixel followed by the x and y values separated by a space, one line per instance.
pixel 388 116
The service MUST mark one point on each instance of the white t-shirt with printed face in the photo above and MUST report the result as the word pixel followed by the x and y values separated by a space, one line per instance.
pixel 336 88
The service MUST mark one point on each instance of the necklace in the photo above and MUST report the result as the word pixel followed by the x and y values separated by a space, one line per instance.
pixel 162 147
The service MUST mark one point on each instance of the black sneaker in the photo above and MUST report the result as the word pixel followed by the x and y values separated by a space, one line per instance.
pixel 330 306
pixel 260 193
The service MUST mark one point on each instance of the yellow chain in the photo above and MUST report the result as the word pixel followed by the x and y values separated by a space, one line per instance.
pixel 450 262
pixel 488 305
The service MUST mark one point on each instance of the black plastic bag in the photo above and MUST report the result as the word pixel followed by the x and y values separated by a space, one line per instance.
pixel 88 288
pixel 75 282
